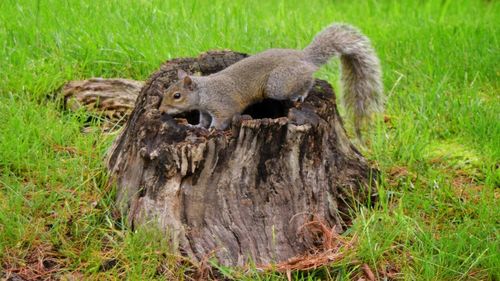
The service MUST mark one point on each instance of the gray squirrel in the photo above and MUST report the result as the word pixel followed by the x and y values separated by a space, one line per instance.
pixel 283 74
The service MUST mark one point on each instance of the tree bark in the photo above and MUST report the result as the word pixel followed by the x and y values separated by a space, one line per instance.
pixel 243 194
pixel 112 100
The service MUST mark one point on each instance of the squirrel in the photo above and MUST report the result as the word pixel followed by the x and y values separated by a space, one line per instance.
pixel 283 74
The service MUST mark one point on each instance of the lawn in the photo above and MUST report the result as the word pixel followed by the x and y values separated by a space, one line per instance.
pixel 438 150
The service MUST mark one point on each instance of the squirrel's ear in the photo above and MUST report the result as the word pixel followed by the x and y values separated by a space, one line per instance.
pixel 188 82
pixel 181 74
pixel 186 79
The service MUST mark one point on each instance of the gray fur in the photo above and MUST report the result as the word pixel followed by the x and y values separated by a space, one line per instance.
pixel 286 74
pixel 361 73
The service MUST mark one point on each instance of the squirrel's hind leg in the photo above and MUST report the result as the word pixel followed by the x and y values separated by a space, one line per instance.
pixel 220 123
pixel 290 82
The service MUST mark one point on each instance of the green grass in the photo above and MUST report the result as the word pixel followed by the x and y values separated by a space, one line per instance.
pixel 439 152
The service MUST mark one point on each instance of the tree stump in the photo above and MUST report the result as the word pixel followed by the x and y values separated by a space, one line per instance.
pixel 243 194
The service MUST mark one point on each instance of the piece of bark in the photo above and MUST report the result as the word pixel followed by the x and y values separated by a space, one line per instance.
pixel 111 99
pixel 243 194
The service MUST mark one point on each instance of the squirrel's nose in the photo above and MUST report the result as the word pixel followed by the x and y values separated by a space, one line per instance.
pixel 165 109
pixel 162 110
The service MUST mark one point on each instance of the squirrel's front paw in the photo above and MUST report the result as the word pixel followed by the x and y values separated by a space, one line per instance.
pixel 200 125
pixel 197 126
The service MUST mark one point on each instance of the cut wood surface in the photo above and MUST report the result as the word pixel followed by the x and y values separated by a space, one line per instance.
pixel 244 194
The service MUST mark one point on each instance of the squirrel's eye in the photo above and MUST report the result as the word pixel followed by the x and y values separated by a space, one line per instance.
pixel 177 95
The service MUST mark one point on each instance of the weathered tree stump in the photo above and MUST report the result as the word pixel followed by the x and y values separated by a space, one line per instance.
pixel 243 194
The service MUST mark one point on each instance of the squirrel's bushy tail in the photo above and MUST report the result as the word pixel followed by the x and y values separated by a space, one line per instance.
pixel 361 73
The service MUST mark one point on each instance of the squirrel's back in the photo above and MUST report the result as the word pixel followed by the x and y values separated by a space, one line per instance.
pixel 263 63
pixel 251 74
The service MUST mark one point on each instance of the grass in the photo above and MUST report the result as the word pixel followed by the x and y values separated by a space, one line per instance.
pixel 439 151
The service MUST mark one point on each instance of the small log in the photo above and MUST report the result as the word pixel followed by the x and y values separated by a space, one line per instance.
pixel 111 99
pixel 244 194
